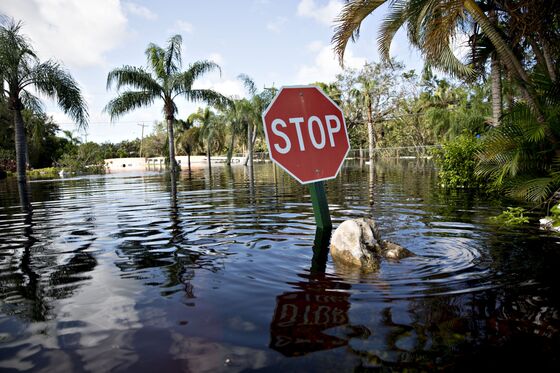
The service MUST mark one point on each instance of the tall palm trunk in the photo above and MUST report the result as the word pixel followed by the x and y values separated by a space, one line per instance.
pixel 496 78
pixel 371 135
pixel 548 59
pixel 171 141
pixel 230 150
pixel 496 90
pixel 21 145
pixel 250 145
pixel 208 153
pixel 507 56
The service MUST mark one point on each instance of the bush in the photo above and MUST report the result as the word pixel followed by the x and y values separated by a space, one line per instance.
pixel 511 217
pixel 87 158
pixel 456 161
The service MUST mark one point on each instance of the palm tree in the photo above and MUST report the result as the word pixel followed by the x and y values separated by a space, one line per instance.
pixel 432 26
pixel 364 99
pixel 20 70
pixel 332 90
pixel 252 113
pixel 163 80
pixel 237 115
pixel 208 128
pixel 190 141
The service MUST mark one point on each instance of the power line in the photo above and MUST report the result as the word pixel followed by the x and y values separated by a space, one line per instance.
pixel 121 122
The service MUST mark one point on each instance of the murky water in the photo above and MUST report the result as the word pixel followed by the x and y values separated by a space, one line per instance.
pixel 129 272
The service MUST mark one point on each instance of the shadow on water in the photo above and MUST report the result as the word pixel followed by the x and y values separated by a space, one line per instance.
pixel 225 271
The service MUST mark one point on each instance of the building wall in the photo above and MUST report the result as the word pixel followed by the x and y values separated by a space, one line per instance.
pixel 158 163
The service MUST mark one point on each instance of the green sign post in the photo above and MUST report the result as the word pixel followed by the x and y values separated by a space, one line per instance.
pixel 320 205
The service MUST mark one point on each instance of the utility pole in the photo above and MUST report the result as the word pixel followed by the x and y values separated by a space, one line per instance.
pixel 142 138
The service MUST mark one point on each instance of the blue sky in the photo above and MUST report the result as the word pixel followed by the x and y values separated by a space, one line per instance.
pixel 276 42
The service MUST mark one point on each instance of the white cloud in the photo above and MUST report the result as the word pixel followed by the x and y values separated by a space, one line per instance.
pixel 140 11
pixel 277 24
pixel 216 57
pixel 227 87
pixel 315 46
pixel 325 66
pixel 325 14
pixel 77 32
pixel 183 26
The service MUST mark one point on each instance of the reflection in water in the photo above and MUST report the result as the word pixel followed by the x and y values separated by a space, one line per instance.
pixel 215 271
pixel 302 317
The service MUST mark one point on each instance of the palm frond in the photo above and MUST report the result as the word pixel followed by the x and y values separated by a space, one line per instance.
pixel 16 55
pixel 391 24
pixel 156 60
pixel 132 77
pixel 532 189
pixel 248 83
pixel 348 23
pixel 128 101
pixel 32 102
pixel 173 55
pixel 52 80
pixel 183 82
pixel 207 96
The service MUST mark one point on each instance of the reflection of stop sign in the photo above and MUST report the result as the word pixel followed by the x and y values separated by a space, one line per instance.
pixel 306 133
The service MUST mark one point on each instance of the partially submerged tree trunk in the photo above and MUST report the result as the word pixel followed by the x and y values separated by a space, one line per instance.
pixel 171 140
pixel 371 140
pixel 20 141
pixel 250 145
pixel 371 134
pixel 208 156
pixel 230 150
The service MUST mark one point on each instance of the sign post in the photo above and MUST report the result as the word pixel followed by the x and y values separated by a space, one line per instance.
pixel 306 136
pixel 320 205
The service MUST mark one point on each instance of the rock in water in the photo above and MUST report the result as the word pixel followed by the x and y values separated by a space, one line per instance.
pixel 357 243
pixel 391 250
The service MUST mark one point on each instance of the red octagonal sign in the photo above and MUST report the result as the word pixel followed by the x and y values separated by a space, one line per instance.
pixel 306 133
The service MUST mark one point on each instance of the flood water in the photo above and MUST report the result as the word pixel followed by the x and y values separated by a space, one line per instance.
pixel 132 272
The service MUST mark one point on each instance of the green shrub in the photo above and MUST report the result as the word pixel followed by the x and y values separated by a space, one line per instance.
pixel 554 215
pixel 87 158
pixel 48 172
pixel 511 217
pixel 456 162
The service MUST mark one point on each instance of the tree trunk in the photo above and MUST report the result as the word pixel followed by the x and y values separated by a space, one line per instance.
pixel 496 78
pixel 496 90
pixel 371 140
pixel 371 135
pixel 230 150
pixel 549 61
pixel 208 153
pixel 250 145
pixel 537 51
pixel 506 56
pixel 171 140
pixel 189 158
pixel 21 146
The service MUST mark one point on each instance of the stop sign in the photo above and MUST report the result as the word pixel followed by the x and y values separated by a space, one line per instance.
pixel 306 133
